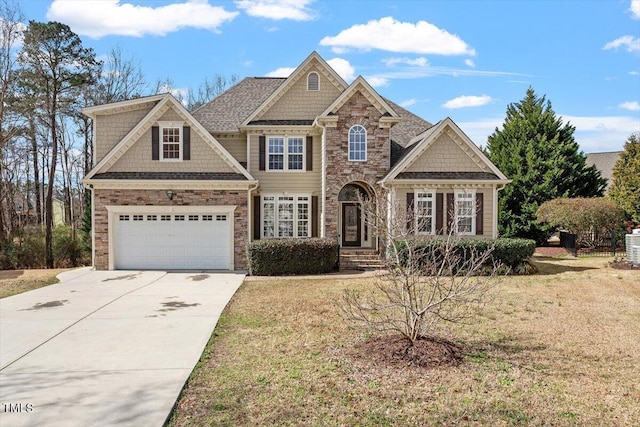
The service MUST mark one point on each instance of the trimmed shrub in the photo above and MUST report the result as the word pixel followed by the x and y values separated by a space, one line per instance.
pixel 274 257
pixel 508 252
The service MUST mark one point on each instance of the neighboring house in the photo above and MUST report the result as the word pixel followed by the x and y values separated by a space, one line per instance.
pixel 604 162
pixel 275 158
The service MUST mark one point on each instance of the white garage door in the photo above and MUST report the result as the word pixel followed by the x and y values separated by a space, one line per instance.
pixel 176 241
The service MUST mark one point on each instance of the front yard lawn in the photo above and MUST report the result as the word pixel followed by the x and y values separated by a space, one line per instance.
pixel 558 348
pixel 14 282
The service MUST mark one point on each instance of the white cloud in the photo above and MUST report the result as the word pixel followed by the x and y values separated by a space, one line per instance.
pixel 296 10
pixel 378 81
pixel 634 73
pixel 420 61
pixel 470 63
pixel 391 35
pixel 630 105
pixel 408 103
pixel 634 8
pixel 632 44
pixel 100 18
pixel 14 31
pixel 343 68
pixel 468 101
pixel 281 72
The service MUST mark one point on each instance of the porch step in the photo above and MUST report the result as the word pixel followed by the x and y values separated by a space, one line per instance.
pixel 360 259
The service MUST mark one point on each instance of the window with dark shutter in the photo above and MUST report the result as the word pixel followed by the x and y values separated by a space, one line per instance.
pixel 314 216
pixel 261 152
pixel 186 143
pixel 439 222
pixel 479 213
pixel 155 143
pixel 309 153
pixel 409 212
pixel 257 223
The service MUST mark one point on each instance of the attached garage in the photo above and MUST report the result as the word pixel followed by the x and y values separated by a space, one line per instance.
pixel 171 238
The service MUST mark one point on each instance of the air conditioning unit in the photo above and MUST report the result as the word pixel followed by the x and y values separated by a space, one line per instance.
pixel 632 242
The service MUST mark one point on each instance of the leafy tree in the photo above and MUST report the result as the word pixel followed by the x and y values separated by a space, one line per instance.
pixel 625 188
pixel 590 218
pixel 539 153
pixel 55 66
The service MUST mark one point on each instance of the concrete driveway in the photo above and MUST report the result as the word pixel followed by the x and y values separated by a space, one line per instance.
pixel 104 348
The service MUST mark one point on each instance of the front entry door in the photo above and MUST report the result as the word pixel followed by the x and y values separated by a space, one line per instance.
pixel 351 224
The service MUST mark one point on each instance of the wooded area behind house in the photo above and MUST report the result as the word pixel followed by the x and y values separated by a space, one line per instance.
pixel 46 78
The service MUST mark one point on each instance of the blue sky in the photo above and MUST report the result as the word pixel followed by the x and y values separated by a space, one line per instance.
pixel 463 59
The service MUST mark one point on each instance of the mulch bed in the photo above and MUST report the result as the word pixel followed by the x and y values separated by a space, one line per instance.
pixel 551 251
pixel 396 350
pixel 624 265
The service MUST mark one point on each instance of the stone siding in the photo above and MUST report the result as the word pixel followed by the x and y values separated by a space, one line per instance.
pixel 103 198
pixel 339 170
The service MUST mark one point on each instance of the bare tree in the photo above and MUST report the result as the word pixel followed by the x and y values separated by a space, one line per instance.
pixel 209 89
pixel 427 280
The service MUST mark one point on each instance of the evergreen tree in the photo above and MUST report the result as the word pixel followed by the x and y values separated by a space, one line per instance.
pixel 539 154
pixel 625 188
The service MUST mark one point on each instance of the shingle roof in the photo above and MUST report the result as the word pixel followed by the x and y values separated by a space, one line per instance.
pixel 410 125
pixel 227 111
pixel 188 176
pixel 448 175
pixel 604 162
pixel 282 122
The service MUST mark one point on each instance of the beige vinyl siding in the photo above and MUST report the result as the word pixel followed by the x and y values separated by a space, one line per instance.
pixel 203 157
pixel 298 103
pixel 235 144
pixel 305 182
pixel 487 205
pixel 111 128
pixel 445 155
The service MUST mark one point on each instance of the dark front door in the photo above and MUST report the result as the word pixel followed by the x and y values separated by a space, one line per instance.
pixel 351 224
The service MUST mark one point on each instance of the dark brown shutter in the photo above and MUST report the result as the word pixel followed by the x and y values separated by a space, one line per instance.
pixel 261 152
pixel 309 153
pixel 314 216
pixel 186 143
pixel 155 143
pixel 257 224
pixel 450 213
pixel 479 213
pixel 439 223
pixel 410 212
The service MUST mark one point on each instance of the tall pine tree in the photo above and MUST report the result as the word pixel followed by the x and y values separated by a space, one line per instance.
pixel 625 188
pixel 539 154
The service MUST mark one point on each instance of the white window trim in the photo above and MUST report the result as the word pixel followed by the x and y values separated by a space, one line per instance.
pixel 317 75
pixel 296 200
pixel 366 145
pixel 165 125
pixel 417 217
pixel 286 154
pixel 458 193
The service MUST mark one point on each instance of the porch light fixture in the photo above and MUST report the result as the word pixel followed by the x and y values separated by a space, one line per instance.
pixel 170 194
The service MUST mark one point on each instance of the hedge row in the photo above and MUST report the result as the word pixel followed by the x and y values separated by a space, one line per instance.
pixel 274 257
pixel 508 252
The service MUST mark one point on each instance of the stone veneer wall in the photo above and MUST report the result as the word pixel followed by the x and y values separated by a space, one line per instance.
pixel 103 198
pixel 340 171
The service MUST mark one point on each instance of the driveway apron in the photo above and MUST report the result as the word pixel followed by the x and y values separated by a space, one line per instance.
pixel 105 348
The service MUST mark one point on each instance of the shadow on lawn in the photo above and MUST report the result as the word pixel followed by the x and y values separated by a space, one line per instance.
pixel 11 274
pixel 550 266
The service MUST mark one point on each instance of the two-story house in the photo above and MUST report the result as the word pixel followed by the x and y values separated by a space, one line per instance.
pixel 275 158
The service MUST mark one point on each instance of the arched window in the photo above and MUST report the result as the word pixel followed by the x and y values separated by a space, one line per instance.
pixel 357 144
pixel 313 81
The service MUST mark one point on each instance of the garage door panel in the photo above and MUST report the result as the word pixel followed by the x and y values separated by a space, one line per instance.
pixel 176 241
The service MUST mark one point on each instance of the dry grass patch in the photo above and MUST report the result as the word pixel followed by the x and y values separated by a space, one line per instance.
pixel 14 282
pixel 561 348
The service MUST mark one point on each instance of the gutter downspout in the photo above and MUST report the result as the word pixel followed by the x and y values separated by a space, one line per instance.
pixel 323 180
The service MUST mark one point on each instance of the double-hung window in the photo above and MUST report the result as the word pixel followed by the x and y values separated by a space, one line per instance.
pixel 424 205
pixel 465 212
pixel 171 143
pixel 357 144
pixel 285 216
pixel 285 153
